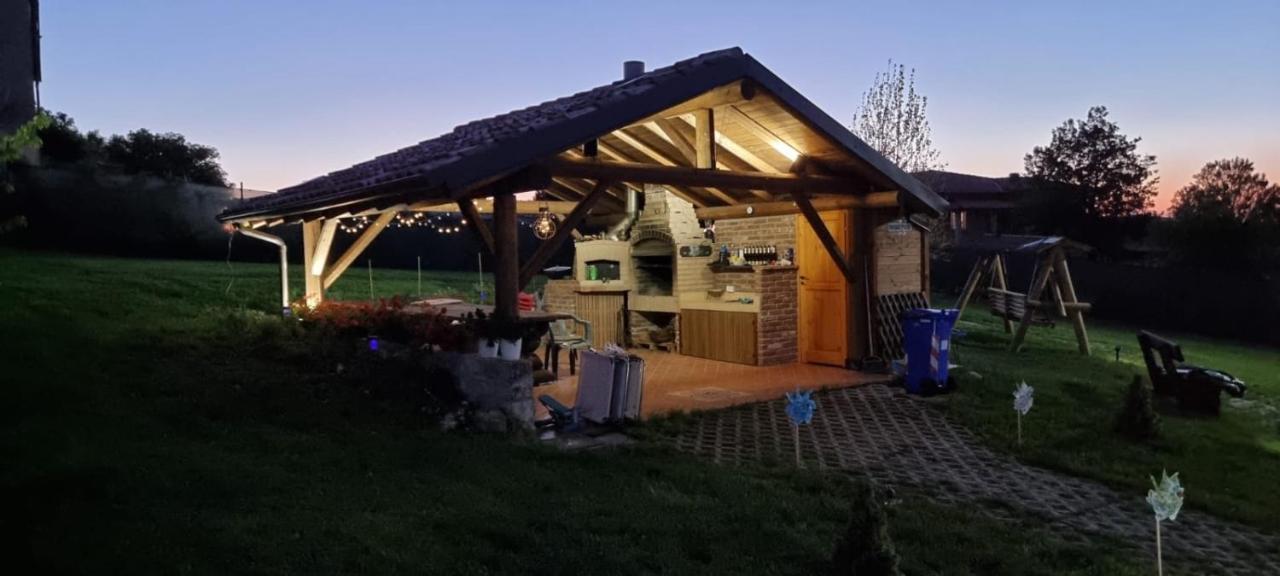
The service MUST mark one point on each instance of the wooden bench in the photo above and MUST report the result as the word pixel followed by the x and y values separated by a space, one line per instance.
pixel 1012 305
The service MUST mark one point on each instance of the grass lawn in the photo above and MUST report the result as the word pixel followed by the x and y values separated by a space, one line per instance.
pixel 1229 465
pixel 149 428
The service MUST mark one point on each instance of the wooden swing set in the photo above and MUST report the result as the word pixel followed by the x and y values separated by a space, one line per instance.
pixel 1028 308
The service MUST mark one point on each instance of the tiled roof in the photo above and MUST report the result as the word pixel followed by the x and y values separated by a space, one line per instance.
pixel 423 158
pixel 496 146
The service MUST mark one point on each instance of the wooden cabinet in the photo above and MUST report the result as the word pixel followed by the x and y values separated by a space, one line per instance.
pixel 604 310
pixel 718 335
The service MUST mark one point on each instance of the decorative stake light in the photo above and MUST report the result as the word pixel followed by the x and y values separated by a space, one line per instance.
pixel 545 226
pixel 800 407
pixel 1023 397
pixel 1165 498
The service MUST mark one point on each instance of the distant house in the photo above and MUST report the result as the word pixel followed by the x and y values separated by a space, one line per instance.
pixel 979 204
pixel 19 62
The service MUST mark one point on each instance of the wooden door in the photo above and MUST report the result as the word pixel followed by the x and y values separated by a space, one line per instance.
pixel 823 308
pixel 604 310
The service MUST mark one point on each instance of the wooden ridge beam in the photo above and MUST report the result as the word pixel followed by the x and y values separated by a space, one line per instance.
pixel 681 176
pixel 824 235
pixel 362 242
pixel 565 230
pixel 477 225
pixel 785 207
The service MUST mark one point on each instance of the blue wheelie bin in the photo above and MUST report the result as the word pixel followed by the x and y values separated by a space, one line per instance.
pixel 926 334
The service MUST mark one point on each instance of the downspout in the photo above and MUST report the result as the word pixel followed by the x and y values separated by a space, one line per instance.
pixel 284 263
pixel 632 212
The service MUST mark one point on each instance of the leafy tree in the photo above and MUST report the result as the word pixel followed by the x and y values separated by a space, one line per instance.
pixel 166 155
pixel 1227 217
pixel 1229 189
pixel 892 119
pixel 12 148
pixel 62 142
pixel 1103 165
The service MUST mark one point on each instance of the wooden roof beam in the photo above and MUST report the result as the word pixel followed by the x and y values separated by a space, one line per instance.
pixel 764 134
pixel 661 158
pixel 730 94
pixel 784 207
pixel 682 176
pixel 618 156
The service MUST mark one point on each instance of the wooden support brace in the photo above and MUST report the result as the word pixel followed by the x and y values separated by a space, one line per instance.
pixel 1000 279
pixel 477 225
pixel 1074 307
pixel 1037 288
pixel 704 139
pixel 980 269
pixel 362 242
pixel 566 229
pixel 824 235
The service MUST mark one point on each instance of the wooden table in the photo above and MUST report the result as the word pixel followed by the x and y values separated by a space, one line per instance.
pixel 456 309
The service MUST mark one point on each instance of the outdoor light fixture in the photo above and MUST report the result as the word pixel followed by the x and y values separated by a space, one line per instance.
pixel 545 226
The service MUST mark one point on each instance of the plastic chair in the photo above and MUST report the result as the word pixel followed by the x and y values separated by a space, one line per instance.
pixel 564 334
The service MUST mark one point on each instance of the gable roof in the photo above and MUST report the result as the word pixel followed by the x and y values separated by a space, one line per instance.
pixel 487 149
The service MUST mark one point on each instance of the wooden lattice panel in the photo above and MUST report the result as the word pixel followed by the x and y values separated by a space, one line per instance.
pixel 889 308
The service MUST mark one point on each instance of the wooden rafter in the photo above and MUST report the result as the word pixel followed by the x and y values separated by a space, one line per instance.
pixel 727 95
pixel 362 242
pixel 566 229
pixel 824 235
pixel 662 158
pixel 484 205
pixel 618 156
pixel 759 131
pixel 477 225
pixel 783 207
pixel 667 130
pixel 733 158
pixel 681 176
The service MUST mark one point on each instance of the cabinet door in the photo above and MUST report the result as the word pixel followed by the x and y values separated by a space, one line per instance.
pixel 716 335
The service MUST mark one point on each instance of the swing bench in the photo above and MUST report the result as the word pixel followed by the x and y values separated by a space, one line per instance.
pixel 1027 308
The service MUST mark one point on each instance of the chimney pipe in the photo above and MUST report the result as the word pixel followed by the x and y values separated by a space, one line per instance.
pixel 632 68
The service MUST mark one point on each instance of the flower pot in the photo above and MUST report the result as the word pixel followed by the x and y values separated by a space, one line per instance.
pixel 487 348
pixel 509 349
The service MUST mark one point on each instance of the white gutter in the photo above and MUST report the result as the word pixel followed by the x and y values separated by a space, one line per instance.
pixel 284 263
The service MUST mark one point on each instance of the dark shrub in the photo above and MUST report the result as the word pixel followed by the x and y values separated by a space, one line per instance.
pixel 865 548
pixel 1138 419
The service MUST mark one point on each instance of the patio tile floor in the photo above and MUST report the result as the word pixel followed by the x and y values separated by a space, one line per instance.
pixel 675 382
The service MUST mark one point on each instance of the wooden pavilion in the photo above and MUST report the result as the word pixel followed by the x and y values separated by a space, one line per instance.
pixel 719 131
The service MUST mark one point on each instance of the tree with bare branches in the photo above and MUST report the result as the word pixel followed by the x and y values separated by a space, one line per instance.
pixel 892 119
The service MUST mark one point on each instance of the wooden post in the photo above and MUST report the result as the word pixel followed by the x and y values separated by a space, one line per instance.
pixel 1002 282
pixel 1069 295
pixel 1037 288
pixel 506 265
pixel 980 269
pixel 314 286
pixel 705 138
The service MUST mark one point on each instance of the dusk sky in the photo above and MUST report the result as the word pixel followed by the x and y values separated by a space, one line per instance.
pixel 288 90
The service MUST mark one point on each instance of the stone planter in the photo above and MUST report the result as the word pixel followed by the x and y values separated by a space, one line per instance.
pixel 498 393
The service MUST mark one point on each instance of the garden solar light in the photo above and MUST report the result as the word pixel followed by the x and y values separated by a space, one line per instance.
pixel 1023 398
pixel 1165 498
pixel 800 406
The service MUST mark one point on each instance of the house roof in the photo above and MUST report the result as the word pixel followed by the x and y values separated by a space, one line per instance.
pixel 955 184
pixel 484 150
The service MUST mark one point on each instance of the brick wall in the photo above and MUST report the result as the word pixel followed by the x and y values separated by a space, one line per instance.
pixel 776 328
pixel 560 296
pixel 779 231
